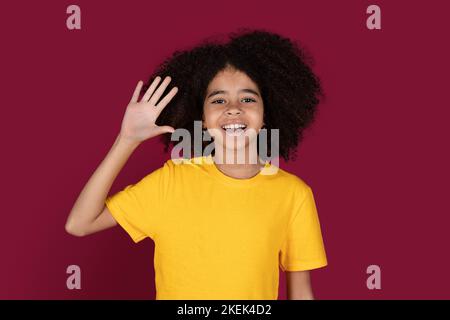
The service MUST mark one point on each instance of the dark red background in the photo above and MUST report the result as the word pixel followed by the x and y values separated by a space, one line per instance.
pixel 377 157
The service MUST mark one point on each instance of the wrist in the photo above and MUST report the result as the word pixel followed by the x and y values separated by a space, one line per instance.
pixel 126 143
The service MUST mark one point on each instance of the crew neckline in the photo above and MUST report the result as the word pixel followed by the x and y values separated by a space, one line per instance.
pixel 215 171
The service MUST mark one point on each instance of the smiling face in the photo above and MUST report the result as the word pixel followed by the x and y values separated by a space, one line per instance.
pixel 233 109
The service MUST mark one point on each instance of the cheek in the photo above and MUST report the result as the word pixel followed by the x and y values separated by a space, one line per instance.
pixel 211 116
pixel 257 117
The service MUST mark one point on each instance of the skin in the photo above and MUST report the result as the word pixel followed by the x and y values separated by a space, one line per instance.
pixel 89 214
pixel 232 97
pixel 298 285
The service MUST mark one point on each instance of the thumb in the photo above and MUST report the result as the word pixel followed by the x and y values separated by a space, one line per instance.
pixel 166 129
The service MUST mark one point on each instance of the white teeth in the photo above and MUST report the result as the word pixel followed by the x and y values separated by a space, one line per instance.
pixel 234 126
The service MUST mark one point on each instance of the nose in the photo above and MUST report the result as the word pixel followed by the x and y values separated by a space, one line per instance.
pixel 233 110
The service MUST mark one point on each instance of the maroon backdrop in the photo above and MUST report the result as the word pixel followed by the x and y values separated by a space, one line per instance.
pixel 377 157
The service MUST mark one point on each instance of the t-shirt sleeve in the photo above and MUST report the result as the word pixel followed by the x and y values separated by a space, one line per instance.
pixel 138 207
pixel 303 247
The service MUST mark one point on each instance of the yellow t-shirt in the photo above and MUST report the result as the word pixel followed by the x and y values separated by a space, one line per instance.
pixel 218 237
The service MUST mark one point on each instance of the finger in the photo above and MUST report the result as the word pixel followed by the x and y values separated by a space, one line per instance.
pixel 155 97
pixel 136 92
pixel 150 90
pixel 166 99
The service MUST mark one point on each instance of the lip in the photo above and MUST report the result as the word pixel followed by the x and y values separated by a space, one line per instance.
pixel 237 132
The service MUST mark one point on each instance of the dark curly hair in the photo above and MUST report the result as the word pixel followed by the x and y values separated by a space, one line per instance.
pixel 280 67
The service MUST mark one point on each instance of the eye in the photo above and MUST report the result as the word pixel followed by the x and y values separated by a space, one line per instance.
pixel 251 99
pixel 215 101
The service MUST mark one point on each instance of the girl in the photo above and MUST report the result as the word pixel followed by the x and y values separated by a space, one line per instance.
pixel 221 229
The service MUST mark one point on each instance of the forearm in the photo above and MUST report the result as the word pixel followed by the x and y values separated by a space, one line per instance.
pixel 91 200
pixel 298 285
pixel 300 295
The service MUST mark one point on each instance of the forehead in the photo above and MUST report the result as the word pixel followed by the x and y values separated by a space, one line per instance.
pixel 229 79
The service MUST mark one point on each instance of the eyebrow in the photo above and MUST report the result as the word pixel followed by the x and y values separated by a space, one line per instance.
pixel 215 92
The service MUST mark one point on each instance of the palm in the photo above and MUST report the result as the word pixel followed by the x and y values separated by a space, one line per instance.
pixel 139 122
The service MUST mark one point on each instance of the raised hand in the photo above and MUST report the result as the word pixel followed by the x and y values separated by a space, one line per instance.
pixel 138 123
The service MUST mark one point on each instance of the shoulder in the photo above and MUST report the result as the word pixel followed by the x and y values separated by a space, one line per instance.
pixel 291 179
pixel 185 163
pixel 165 175
pixel 294 185
pixel 182 165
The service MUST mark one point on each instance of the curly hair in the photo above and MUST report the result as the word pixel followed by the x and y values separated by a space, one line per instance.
pixel 280 68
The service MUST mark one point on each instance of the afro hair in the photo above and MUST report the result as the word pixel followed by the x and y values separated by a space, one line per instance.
pixel 280 68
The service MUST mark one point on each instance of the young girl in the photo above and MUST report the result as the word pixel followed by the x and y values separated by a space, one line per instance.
pixel 221 229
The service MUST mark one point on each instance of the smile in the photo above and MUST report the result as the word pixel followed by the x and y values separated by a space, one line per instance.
pixel 234 129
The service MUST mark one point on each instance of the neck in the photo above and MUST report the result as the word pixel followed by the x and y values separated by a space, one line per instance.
pixel 226 161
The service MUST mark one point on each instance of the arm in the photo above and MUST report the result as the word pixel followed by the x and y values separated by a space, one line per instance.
pixel 89 213
pixel 298 285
